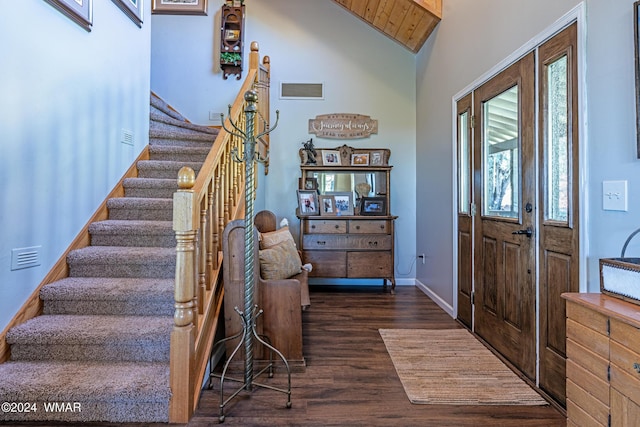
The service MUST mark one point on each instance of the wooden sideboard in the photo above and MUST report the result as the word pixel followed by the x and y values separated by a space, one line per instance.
pixel 603 361
pixel 349 247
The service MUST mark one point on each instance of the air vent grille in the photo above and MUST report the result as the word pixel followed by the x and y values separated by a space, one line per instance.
pixel 302 90
pixel 25 257
pixel 126 137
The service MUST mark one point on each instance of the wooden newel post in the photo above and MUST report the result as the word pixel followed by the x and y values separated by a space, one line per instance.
pixel 183 335
pixel 254 56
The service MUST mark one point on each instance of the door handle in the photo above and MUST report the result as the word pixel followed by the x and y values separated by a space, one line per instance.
pixel 527 231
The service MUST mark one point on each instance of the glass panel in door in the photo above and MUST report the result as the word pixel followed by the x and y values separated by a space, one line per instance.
pixel 464 164
pixel 557 165
pixel 501 186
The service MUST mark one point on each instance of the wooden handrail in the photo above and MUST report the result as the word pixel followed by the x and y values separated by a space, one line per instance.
pixel 202 207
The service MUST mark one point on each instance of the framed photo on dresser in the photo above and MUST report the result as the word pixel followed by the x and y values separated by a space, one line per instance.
pixel 344 202
pixel 308 202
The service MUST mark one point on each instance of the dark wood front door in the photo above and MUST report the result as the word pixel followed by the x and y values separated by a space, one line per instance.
pixel 504 169
pixel 559 201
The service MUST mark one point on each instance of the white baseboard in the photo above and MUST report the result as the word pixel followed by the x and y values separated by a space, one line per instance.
pixel 358 282
pixel 439 301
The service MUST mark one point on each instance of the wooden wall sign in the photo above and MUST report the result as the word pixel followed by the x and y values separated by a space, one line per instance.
pixel 343 126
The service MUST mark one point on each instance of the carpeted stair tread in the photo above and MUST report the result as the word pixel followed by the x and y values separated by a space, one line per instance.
pixel 182 142
pixel 141 208
pixel 74 329
pixel 109 296
pixel 159 104
pixel 169 113
pixel 178 154
pixel 156 188
pixel 112 392
pixel 122 261
pixel 104 338
pixel 164 169
pixel 149 203
pixel 162 130
pixel 132 233
pixel 163 120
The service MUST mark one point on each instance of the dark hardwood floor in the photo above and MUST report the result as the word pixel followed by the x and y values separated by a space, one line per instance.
pixel 350 379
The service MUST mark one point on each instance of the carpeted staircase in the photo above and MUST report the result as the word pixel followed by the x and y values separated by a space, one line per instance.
pixel 101 347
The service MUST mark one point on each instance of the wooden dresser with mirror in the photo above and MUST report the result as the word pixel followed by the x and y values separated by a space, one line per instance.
pixel 346 227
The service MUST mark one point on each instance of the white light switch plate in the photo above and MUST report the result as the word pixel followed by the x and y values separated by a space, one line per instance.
pixel 614 195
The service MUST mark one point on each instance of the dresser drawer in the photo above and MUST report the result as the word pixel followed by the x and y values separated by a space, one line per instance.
pixel 315 226
pixel 369 227
pixel 325 241
pixel 372 242
pixel 369 264
pixel 326 263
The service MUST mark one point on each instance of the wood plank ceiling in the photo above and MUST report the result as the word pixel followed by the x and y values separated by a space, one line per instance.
pixel 409 22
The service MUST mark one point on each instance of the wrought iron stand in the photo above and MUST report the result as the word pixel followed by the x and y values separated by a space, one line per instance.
pixel 251 312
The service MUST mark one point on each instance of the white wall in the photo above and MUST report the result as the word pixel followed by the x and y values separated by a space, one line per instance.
pixel 66 95
pixel 308 41
pixel 472 38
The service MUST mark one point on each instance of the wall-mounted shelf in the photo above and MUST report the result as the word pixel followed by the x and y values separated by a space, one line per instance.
pixel 231 41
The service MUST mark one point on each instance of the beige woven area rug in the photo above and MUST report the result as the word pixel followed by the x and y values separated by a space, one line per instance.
pixel 451 367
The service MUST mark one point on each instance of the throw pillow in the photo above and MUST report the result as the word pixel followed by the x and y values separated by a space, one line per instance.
pixel 280 261
pixel 272 238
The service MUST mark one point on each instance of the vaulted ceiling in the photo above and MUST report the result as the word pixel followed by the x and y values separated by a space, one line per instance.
pixel 409 22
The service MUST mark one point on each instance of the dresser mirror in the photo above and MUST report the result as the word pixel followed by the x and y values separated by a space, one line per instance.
pixel 360 184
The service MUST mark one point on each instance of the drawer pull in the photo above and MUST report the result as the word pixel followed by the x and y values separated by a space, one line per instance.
pixel 636 366
pixel 381 226
pixel 313 227
pixel 357 227
pixel 336 226
pixel 321 242
pixel 373 243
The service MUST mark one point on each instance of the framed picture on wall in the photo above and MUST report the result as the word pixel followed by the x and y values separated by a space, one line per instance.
pixel 80 11
pixel 131 8
pixel 179 7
